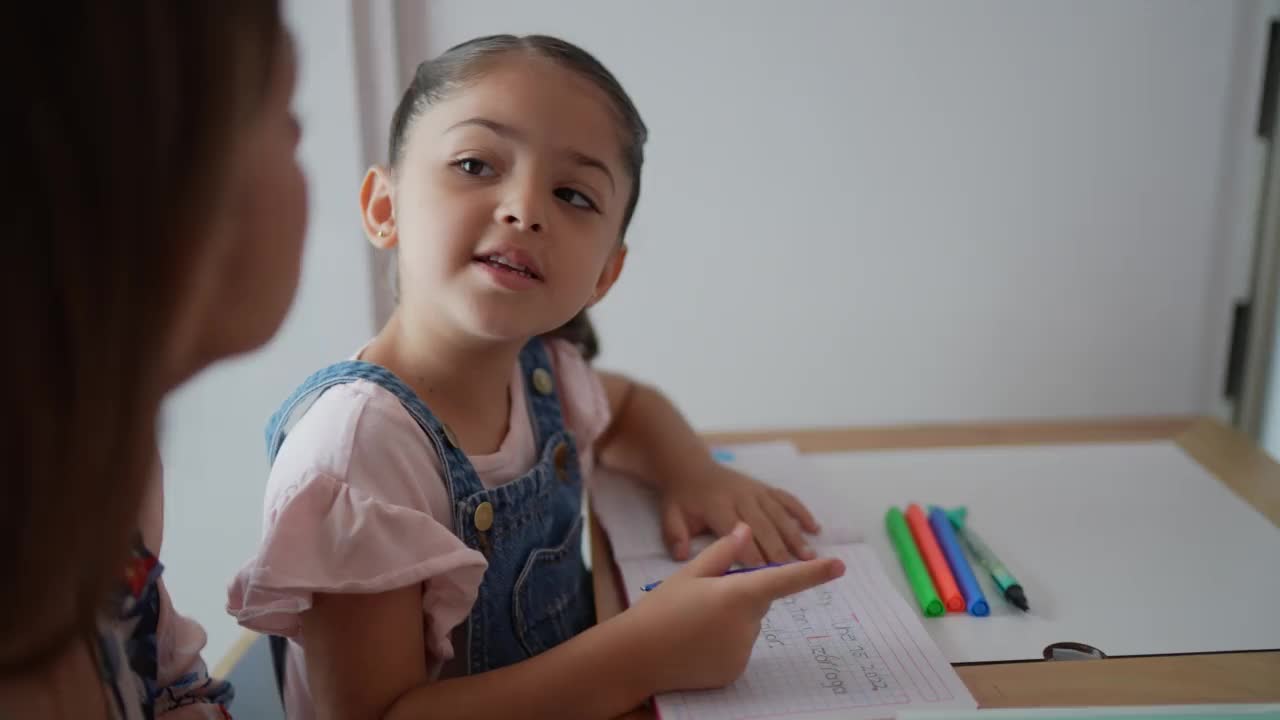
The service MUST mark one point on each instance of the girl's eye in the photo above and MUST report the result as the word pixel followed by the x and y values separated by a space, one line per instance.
pixel 472 166
pixel 576 199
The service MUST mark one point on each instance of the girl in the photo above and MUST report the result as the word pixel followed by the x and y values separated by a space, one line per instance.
pixel 423 519
pixel 154 224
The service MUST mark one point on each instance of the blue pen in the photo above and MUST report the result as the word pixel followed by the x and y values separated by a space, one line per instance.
pixel 735 571
pixel 946 535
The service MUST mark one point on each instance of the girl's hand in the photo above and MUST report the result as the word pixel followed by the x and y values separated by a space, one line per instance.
pixel 696 630
pixel 716 497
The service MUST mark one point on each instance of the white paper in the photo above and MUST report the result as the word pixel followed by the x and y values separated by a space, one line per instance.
pixel 850 649
pixel 631 515
pixel 1134 549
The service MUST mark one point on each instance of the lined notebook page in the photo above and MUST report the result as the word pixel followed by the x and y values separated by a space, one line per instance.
pixel 850 649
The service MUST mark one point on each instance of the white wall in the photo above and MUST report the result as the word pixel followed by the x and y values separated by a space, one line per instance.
pixel 883 212
pixel 212 446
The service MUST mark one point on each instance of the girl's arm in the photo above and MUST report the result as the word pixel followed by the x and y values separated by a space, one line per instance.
pixel 366 658
pixel 649 439
pixel 647 436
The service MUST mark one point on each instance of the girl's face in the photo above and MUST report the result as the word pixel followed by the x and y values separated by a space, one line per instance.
pixel 245 276
pixel 507 204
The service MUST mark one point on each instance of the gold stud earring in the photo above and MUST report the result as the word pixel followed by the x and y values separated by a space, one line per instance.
pixel 382 233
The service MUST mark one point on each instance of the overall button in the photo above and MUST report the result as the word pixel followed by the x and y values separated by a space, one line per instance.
pixel 483 517
pixel 448 435
pixel 542 381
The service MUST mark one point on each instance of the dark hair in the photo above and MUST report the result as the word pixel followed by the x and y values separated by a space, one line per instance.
pixel 436 79
pixel 118 142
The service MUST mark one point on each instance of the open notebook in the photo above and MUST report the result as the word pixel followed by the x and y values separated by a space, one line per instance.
pixel 850 649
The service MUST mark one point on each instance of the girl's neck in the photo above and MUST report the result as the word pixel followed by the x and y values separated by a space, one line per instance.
pixel 465 383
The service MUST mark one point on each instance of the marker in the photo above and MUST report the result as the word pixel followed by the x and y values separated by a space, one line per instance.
pixel 974 600
pixel 912 565
pixel 984 556
pixel 735 571
pixel 934 559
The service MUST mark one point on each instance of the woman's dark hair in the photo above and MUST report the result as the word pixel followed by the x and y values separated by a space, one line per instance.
pixel 115 142
pixel 436 79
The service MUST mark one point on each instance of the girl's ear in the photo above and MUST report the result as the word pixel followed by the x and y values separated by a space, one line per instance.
pixel 377 208
pixel 609 275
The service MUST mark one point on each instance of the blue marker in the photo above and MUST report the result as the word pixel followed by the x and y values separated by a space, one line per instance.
pixel 736 571
pixel 946 535
pixel 722 455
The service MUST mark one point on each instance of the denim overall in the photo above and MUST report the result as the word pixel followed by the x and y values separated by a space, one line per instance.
pixel 536 592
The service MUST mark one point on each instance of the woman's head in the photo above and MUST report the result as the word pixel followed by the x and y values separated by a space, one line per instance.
pixel 507 151
pixel 155 226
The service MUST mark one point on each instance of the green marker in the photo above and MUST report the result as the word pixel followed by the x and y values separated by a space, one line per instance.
pixel 912 564
pixel 986 557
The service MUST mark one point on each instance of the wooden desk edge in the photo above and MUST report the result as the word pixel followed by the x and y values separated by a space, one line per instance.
pixel 1206 678
pixel 234 654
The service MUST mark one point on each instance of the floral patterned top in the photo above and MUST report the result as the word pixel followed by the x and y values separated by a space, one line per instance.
pixel 149 655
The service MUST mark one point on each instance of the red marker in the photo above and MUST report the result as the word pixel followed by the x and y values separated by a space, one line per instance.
pixel 943 581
